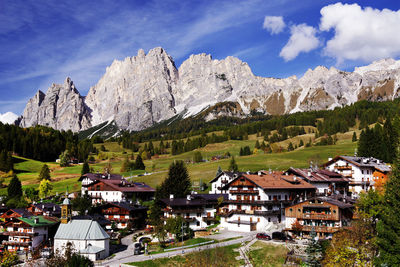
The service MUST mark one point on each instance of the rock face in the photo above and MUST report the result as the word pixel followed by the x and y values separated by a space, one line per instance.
pixel 62 108
pixel 145 89
pixel 136 92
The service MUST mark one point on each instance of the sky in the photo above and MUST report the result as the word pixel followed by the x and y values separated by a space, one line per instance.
pixel 43 42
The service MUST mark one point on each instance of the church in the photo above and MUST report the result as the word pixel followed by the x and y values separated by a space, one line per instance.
pixel 85 237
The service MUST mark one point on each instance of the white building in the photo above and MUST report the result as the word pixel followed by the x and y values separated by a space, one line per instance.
pixel 257 201
pixel 85 237
pixel 220 180
pixel 114 188
pixel 198 210
pixel 359 170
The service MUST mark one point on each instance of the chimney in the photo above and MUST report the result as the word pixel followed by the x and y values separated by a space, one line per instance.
pixel 54 208
pixel 109 175
pixel 188 197
pixel 171 196
pixel 36 220
pixel 329 159
pixel 309 174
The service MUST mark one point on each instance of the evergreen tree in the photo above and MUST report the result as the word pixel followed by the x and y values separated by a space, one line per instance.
pixel 290 147
pixel 388 229
pixel 257 145
pixel 44 173
pixel 262 145
pixel 64 159
pixel 313 251
pixel 139 165
pixel 233 167
pixel 219 171
pixel 246 151
pixel 85 168
pixel 301 143
pixel 391 141
pixel 354 138
pixel 241 151
pixel 177 182
pixel 125 165
pixel 14 188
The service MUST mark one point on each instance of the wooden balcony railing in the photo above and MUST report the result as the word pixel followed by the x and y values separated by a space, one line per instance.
pixel 319 216
pixel 343 167
pixel 320 229
pixel 16 233
pixel 209 219
pixel 16 243
pixel 243 192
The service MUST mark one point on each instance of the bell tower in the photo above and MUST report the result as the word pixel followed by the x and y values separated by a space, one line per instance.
pixel 66 210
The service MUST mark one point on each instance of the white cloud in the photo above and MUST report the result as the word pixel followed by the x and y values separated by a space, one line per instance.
pixel 361 34
pixel 274 24
pixel 302 39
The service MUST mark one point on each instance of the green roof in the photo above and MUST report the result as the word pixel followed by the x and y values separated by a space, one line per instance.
pixel 41 221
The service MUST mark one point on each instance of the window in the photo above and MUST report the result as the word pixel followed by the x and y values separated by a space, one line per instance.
pixel 198 214
pixel 269 219
pixel 291 209
pixel 198 223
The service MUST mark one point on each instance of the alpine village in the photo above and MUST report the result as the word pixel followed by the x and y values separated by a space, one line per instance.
pixel 198 161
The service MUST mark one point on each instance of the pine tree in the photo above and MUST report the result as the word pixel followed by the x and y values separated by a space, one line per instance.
pixel 85 168
pixel 197 157
pixel 44 173
pixel 290 147
pixel 391 141
pixel 301 143
pixel 177 182
pixel 233 167
pixel 139 165
pixel 388 229
pixel 313 251
pixel 354 138
pixel 219 171
pixel 14 189
pixel 257 145
pixel 241 151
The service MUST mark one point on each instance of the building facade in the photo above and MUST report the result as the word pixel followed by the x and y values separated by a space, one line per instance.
pixel 323 215
pixel 28 233
pixel 361 172
pixel 198 210
pixel 257 201
pixel 124 215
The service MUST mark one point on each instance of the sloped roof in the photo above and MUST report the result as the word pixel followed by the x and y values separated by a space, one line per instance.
pixel 125 186
pixel 316 176
pixel 276 180
pixel 41 220
pixel 81 230
pixel 195 200
pixel 363 162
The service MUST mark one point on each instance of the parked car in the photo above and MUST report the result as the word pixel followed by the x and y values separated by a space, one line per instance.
pixel 263 236
pixel 137 248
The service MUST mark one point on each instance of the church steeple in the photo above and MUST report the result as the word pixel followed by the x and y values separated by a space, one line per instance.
pixel 66 210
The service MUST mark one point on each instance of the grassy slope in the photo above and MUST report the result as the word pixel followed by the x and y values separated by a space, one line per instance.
pixel 263 254
pixel 28 170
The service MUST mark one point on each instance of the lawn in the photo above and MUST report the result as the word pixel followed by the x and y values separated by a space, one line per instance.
pixel 218 257
pixel 28 170
pixel 264 254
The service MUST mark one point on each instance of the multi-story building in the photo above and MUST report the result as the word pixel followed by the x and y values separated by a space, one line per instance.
pixel 28 233
pixel 114 188
pixel 124 215
pixel 198 210
pixel 14 214
pixel 220 180
pixel 323 215
pixel 257 201
pixel 327 182
pixel 362 172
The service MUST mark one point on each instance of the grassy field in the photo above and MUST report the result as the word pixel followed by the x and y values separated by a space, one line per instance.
pixel 157 168
pixel 268 255
pixel 218 257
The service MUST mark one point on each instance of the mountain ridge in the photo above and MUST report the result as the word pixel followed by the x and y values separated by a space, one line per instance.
pixel 145 89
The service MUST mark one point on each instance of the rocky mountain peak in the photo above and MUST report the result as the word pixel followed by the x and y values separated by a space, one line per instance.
pixel 139 91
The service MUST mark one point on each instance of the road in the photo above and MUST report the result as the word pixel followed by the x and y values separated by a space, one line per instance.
pixel 127 255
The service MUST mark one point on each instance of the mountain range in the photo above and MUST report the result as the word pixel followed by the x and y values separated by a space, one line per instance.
pixel 145 89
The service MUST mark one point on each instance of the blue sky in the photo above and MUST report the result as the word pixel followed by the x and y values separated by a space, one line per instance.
pixel 45 41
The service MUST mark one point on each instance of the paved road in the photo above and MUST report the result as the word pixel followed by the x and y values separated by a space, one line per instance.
pixel 127 255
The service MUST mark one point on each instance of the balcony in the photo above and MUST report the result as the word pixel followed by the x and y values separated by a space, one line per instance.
pixel 16 243
pixel 16 233
pixel 209 219
pixel 318 216
pixel 267 212
pixel 243 222
pixel 243 192
pixel 183 211
pixel 257 202
pixel 320 229
pixel 343 167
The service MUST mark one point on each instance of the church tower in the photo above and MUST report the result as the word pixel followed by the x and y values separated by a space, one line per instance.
pixel 66 210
